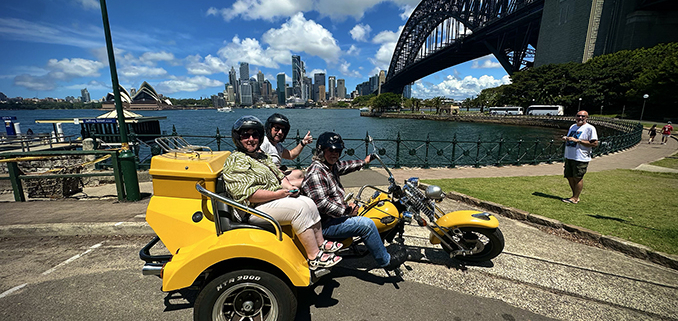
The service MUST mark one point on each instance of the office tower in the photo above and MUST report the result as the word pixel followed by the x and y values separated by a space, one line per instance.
pixel 321 92
pixel 230 94
pixel 85 95
pixel 308 88
pixel 266 90
pixel 407 91
pixel 341 88
pixel 374 83
pixel 281 89
pixel 260 78
pixel 244 71
pixel 332 87
pixel 318 80
pixel 256 88
pixel 245 93
pixel 297 71
pixel 382 79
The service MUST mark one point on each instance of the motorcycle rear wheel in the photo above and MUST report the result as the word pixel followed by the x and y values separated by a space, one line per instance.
pixel 245 295
pixel 492 240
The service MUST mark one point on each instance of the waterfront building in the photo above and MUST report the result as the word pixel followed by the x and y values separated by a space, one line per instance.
pixel 230 94
pixel 289 92
pixel 219 100
pixel 321 93
pixel 318 80
pixel 297 74
pixel 332 87
pixel 341 88
pixel 382 79
pixel 308 89
pixel 364 88
pixel 266 90
pixel 245 93
pixel 233 80
pixel 85 95
pixel 244 71
pixel 407 91
pixel 281 89
pixel 146 98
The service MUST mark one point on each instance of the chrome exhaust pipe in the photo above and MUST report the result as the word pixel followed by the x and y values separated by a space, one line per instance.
pixel 152 269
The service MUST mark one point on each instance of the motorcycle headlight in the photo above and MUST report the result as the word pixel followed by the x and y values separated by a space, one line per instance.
pixel 435 193
pixel 413 180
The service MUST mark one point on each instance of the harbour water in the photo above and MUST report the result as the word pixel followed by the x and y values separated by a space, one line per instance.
pixel 346 122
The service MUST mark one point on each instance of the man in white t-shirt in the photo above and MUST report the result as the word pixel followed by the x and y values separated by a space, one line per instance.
pixel 579 142
pixel 277 126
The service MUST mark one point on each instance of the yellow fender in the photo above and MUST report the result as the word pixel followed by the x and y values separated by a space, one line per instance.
pixel 463 219
pixel 189 262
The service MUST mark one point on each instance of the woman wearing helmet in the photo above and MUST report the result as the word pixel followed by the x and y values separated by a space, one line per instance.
pixel 253 180
pixel 277 127
pixel 339 219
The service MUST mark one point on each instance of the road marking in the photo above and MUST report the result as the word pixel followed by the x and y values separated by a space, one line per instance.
pixel 73 258
pixel 118 224
pixel 12 290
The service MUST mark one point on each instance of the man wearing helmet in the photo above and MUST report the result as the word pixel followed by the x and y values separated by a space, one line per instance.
pixel 252 179
pixel 277 127
pixel 339 219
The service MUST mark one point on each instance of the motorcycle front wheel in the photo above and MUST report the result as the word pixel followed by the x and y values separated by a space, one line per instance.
pixel 245 295
pixel 490 240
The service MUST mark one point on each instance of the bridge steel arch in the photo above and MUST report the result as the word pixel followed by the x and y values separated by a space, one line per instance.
pixel 443 33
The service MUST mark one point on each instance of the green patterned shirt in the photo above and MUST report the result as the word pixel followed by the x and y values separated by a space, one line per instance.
pixel 245 175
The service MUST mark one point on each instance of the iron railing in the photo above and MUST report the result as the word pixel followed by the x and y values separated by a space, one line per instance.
pixel 426 153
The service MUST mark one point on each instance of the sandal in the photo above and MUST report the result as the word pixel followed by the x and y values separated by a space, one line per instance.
pixel 334 246
pixel 324 260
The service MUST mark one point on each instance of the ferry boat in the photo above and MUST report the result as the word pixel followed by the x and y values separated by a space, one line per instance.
pixel 225 109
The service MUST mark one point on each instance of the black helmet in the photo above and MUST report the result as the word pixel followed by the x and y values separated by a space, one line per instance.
pixel 329 140
pixel 244 123
pixel 277 119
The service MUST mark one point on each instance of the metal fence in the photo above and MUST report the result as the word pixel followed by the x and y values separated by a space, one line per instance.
pixel 426 153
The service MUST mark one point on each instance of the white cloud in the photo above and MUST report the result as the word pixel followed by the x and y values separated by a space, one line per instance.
pixel 388 40
pixel 353 51
pixel 487 63
pixel 89 4
pixel 345 70
pixel 150 58
pixel 316 71
pixel 190 84
pixel 249 50
pixel 300 35
pixel 457 88
pixel 407 11
pixel 360 32
pixel 38 32
pixel 36 83
pixel 141 71
pixel 67 69
pixel 353 8
pixel 262 9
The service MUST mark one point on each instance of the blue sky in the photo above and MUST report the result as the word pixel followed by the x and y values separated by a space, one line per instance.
pixel 184 49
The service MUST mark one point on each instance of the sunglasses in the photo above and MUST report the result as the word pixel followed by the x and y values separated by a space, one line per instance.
pixel 581 116
pixel 278 128
pixel 331 150
pixel 248 135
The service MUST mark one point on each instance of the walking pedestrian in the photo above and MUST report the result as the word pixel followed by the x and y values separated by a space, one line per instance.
pixel 580 140
pixel 653 133
pixel 666 132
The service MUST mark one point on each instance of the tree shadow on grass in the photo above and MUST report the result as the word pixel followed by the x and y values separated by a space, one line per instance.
pixel 540 194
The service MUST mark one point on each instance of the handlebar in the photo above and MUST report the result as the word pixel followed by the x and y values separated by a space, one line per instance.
pixel 216 197
pixel 376 155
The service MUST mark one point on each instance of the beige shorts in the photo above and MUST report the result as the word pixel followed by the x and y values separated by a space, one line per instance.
pixel 300 212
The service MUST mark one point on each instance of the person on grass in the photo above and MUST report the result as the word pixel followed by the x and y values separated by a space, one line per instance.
pixel 579 142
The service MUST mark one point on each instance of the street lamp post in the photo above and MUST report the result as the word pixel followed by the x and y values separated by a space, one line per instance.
pixel 645 97
pixel 579 108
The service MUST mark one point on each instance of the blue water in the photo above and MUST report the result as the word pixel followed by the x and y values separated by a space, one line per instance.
pixel 346 122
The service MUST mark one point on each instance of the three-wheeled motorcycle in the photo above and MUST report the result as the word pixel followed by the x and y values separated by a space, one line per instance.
pixel 245 271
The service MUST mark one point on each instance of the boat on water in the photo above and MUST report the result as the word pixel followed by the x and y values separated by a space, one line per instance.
pixel 225 109
pixel 364 109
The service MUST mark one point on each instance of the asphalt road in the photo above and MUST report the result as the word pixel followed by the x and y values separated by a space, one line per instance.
pixel 539 276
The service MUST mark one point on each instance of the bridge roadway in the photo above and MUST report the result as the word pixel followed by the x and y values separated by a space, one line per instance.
pixel 47 272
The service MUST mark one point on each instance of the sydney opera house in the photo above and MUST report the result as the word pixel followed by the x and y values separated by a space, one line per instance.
pixel 146 98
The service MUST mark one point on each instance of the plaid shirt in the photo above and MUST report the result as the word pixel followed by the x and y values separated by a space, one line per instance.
pixel 323 186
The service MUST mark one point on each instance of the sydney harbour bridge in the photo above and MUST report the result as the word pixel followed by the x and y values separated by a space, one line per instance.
pixel 443 33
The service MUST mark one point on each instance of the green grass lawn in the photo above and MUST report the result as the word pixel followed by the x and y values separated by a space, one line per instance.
pixel 638 206
pixel 669 162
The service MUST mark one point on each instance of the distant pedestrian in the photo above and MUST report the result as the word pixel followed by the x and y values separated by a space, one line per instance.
pixel 653 133
pixel 580 140
pixel 29 132
pixel 666 132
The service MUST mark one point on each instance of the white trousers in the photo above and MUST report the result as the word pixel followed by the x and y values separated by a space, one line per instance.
pixel 301 212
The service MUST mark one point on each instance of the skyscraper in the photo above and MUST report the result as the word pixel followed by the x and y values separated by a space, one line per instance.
pixel 297 73
pixel 244 71
pixel 85 95
pixel 245 93
pixel 307 89
pixel 281 89
pixel 341 88
pixel 407 91
pixel 332 87
pixel 233 81
pixel 318 80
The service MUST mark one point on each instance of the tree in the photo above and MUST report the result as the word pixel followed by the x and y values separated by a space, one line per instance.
pixel 386 101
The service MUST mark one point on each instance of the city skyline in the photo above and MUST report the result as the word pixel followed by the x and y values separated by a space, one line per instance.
pixel 186 50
